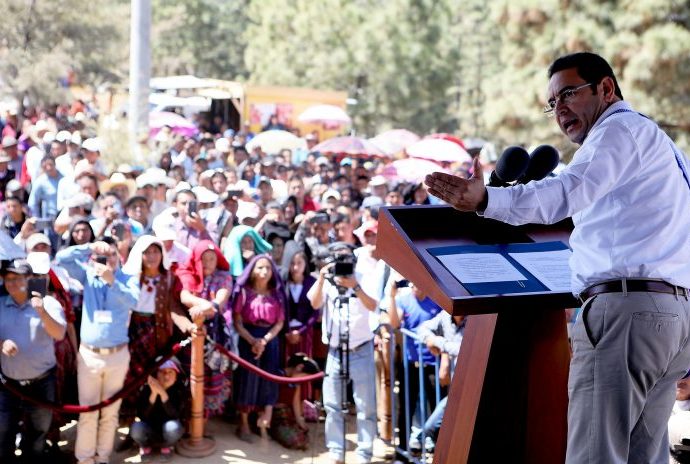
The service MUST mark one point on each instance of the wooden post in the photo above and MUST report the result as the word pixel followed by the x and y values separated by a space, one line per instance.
pixel 197 446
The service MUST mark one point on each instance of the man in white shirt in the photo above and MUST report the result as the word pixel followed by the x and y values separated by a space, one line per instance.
pixel 346 331
pixel 628 192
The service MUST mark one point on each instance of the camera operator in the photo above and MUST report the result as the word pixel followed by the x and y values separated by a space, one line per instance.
pixel 347 333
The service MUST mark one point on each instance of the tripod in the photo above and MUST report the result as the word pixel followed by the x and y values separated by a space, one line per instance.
pixel 342 308
pixel 344 358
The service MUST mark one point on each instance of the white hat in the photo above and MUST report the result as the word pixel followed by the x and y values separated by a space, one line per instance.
pixel 204 195
pixel 330 193
pixel 63 136
pixel 39 261
pixel 125 168
pixel 322 160
pixel 155 177
pixel 36 238
pixel 247 209
pixel 75 138
pixel 48 137
pixel 41 125
pixel 377 181
pixel 92 144
pixel 80 200
pixel 83 167
pixel 223 145
pixel 183 186
pixel 164 225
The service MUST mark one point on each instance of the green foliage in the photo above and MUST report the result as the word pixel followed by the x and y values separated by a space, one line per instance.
pixel 201 37
pixel 41 41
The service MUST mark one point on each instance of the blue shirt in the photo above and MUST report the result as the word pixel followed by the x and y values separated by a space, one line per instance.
pixel 43 198
pixel 414 312
pixel 22 325
pixel 106 308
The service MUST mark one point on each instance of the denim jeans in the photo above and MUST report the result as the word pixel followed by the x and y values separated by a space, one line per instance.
pixel 433 422
pixel 362 374
pixel 166 435
pixel 38 419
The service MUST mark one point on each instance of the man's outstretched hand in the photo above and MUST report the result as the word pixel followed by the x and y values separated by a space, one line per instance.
pixel 462 194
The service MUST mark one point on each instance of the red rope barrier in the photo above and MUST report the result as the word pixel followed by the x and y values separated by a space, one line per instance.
pixel 128 389
pixel 124 391
pixel 267 375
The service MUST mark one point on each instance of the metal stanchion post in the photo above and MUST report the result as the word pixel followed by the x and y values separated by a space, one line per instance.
pixel 197 446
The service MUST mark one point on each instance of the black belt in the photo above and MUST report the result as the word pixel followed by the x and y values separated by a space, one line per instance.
pixel 27 382
pixel 356 348
pixel 632 285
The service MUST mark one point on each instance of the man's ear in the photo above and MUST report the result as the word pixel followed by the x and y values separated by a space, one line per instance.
pixel 609 89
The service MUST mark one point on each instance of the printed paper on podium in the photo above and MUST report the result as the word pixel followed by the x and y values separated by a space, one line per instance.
pixel 471 268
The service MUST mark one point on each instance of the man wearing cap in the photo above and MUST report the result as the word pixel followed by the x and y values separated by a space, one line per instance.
pixel 9 146
pixel 65 159
pixel 92 153
pixel 164 228
pixel 6 174
pixel 29 326
pixel 148 184
pixel 103 361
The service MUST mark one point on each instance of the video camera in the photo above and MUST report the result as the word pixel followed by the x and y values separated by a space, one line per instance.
pixel 344 264
pixel 341 255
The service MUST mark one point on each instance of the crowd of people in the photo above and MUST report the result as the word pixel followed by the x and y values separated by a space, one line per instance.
pixel 105 268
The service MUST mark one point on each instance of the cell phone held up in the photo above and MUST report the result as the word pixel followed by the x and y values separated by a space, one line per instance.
pixel 37 285
pixel 402 283
pixel 192 207
pixel 43 223
pixel 101 260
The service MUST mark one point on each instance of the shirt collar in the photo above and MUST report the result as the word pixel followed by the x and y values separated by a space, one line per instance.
pixel 9 302
pixel 619 105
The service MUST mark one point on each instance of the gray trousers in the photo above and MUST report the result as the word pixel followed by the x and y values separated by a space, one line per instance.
pixel 629 350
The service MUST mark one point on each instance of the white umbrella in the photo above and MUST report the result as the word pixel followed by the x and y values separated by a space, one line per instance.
pixel 327 114
pixel 272 141
pixel 438 150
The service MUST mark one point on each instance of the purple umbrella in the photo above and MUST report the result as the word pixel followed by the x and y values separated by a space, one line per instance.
pixel 178 124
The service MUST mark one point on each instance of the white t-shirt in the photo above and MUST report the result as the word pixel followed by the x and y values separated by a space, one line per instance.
pixel 337 318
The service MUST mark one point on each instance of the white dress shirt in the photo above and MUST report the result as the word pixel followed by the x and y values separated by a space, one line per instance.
pixel 628 199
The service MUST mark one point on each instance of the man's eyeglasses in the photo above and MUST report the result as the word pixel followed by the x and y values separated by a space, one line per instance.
pixel 563 98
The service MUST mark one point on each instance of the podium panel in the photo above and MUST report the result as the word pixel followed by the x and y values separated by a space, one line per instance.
pixel 508 398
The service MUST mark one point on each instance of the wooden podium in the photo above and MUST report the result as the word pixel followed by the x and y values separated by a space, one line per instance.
pixel 508 399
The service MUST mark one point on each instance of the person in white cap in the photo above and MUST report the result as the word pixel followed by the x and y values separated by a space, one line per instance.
pixel 92 152
pixel 67 157
pixel 164 229
pixel 9 146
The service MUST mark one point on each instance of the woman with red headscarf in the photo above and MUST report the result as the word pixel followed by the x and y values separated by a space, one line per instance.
pixel 206 285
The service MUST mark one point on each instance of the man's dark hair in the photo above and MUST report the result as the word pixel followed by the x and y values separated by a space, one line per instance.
pixel 589 66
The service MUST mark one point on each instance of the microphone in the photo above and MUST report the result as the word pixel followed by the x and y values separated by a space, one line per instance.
pixel 510 166
pixel 542 162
